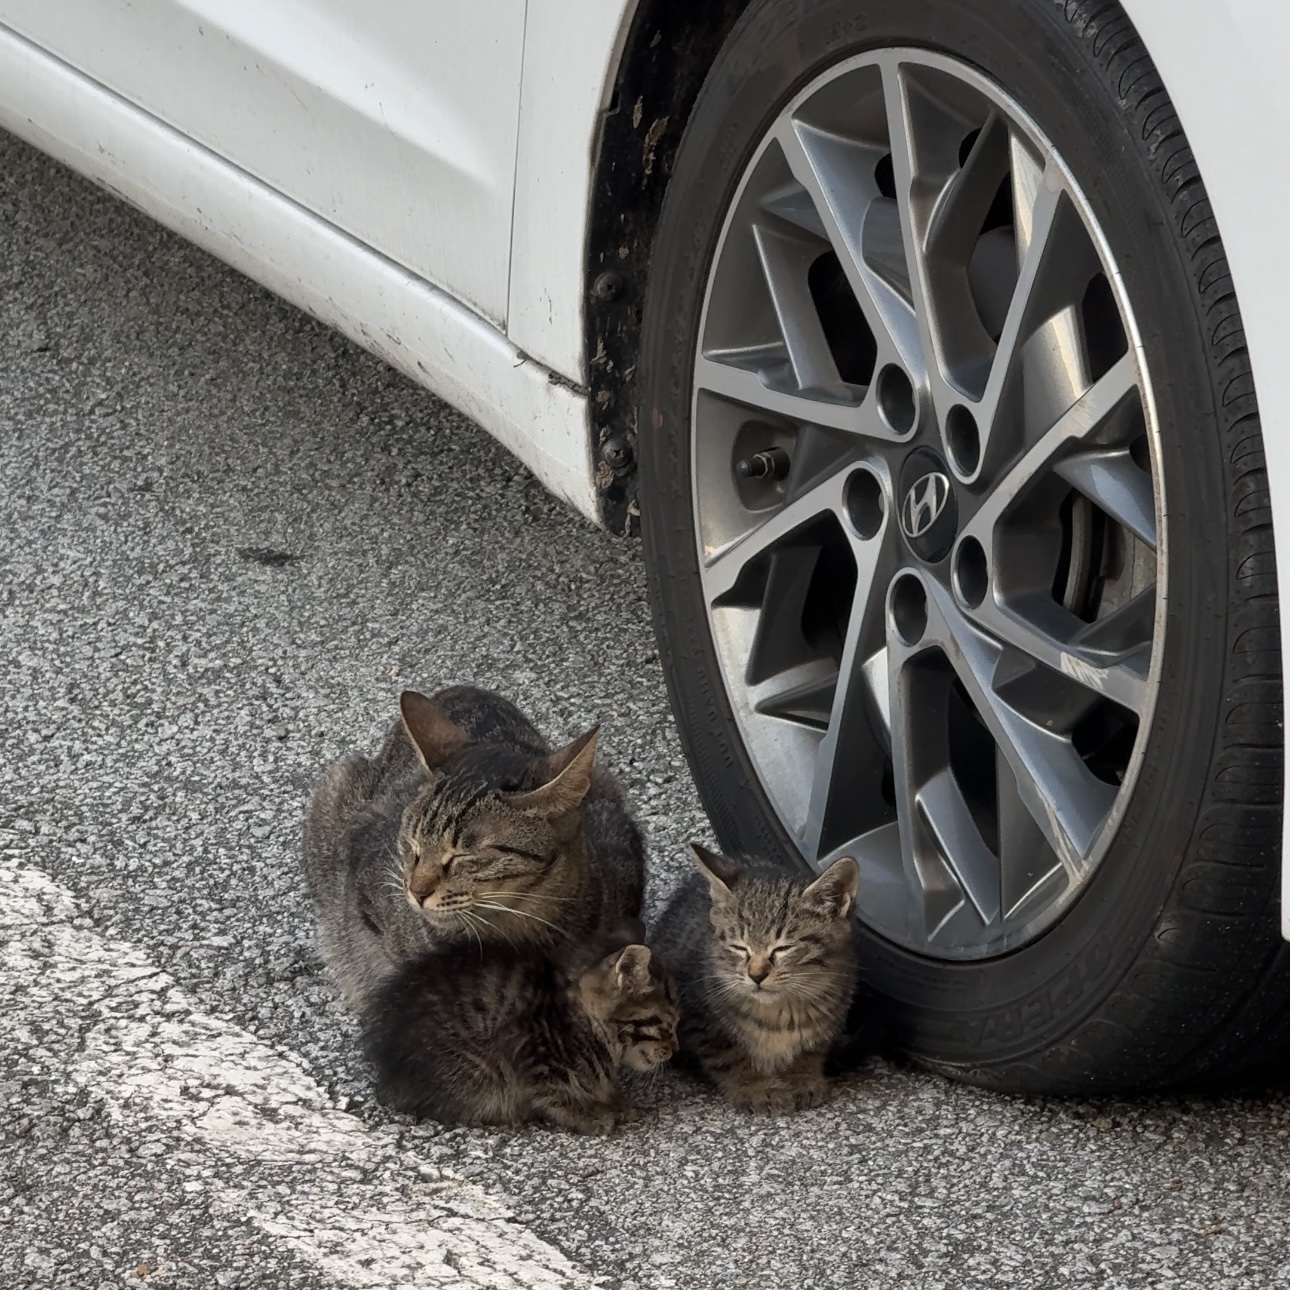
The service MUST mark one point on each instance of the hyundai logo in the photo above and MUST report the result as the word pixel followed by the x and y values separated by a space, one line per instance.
pixel 924 503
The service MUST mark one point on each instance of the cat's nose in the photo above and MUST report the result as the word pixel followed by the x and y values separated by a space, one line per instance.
pixel 423 889
pixel 759 970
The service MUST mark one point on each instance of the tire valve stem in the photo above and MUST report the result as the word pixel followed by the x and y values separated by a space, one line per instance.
pixel 769 464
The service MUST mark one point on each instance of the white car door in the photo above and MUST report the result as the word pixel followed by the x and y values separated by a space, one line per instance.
pixel 395 120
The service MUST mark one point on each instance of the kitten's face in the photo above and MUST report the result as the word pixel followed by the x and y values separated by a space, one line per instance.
pixel 634 1001
pixel 775 939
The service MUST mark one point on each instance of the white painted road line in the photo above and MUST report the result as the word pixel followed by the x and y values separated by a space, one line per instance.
pixel 359 1206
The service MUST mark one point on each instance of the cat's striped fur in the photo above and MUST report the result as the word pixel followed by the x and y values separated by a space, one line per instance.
pixel 765 965
pixel 507 1035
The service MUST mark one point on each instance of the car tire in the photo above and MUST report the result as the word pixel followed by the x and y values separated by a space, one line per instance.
pixel 1166 967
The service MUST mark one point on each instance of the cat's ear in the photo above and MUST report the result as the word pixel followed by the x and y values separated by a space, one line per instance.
pixel 720 872
pixel 434 735
pixel 834 891
pixel 632 966
pixel 569 777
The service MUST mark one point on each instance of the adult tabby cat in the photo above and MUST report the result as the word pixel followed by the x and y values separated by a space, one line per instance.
pixel 465 828
pixel 765 965
pixel 513 1035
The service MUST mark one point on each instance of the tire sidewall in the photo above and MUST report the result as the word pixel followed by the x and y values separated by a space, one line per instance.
pixel 970 1015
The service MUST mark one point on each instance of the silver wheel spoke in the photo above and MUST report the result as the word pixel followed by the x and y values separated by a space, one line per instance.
pixel 919 168
pixel 1034 624
pixel 786 262
pixel 727 376
pixel 1027 865
pixel 1086 416
pixel 806 693
pixel 952 228
pixel 1110 478
pixel 1047 634
pixel 856 675
pixel 835 173
pixel 944 814
pixel 1029 306
pixel 722 568
pixel 1065 801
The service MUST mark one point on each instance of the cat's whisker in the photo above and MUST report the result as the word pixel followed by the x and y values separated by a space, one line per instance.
pixel 521 913
pixel 471 927
pixel 525 895
pixel 510 940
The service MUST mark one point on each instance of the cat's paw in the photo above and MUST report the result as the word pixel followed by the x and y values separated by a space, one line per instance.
pixel 811 1093
pixel 595 1121
pixel 781 1098
pixel 628 1114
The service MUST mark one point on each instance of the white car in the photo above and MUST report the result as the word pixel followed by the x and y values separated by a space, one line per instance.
pixel 923 338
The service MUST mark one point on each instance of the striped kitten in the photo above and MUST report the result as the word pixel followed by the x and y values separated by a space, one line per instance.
pixel 465 829
pixel 511 1036
pixel 765 964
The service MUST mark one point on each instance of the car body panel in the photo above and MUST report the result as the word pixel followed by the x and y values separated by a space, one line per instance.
pixel 559 122
pixel 410 323
pixel 394 126
pixel 1221 61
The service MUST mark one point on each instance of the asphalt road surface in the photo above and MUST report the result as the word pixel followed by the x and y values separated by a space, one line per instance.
pixel 228 538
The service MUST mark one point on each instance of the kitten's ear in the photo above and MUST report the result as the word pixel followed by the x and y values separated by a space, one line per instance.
pixel 569 771
pixel 631 931
pixel 834 891
pixel 434 735
pixel 632 966
pixel 720 872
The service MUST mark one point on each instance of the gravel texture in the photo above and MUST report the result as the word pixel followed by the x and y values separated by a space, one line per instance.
pixel 228 538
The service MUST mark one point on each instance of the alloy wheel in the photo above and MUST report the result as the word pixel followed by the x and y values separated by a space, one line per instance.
pixel 927 499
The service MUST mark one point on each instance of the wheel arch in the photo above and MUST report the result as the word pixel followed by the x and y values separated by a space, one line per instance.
pixel 663 60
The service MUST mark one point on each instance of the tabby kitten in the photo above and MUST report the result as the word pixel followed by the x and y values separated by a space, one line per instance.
pixel 765 964
pixel 466 828
pixel 513 1035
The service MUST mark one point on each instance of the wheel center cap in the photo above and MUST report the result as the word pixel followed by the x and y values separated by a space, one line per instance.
pixel 929 509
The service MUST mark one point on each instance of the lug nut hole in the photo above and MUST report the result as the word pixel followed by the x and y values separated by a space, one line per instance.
pixel 963 439
pixel 896 399
pixel 909 608
pixel 971 572
pixel 865 503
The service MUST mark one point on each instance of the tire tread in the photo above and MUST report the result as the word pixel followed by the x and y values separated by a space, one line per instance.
pixel 1224 909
